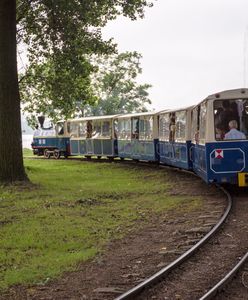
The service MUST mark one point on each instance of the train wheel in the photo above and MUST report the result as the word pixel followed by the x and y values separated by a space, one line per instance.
pixel 47 154
pixel 99 157
pixel 122 158
pixel 88 157
pixel 56 154
pixel 110 158
pixel 40 152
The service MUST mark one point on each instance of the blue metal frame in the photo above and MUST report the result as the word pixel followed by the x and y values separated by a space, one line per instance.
pixel 221 162
pixel 176 154
pixel 96 147
pixel 51 143
pixel 199 160
pixel 136 149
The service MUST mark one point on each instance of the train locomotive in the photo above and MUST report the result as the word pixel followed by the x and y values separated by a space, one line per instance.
pixel 52 142
pixel 209 138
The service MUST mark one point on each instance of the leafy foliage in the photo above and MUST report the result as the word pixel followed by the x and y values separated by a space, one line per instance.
pixel 116 85
pixel 60 36
pixel 54 92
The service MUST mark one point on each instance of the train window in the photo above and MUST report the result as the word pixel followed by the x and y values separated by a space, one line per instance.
pixel 149 128
pixel 127 129
pixel 106 129
pixel 69 127
pixel 195 125
pixel 124 129
pixel 231 119
pixel 164 125
pixel 60 128
pixel 115 128
pixel 96 133
pixel 82 129
pixel 202 123
pixel 135 128
pixel 73 129
pixel 172 126
pixel 121 128
pixel 180 132
pixel 89 129
pixel 142 129
pixel 146 128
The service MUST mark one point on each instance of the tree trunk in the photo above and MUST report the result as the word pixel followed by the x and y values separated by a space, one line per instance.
pixel 11 160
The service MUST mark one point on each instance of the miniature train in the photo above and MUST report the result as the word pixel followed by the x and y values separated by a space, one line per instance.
pixel 209 138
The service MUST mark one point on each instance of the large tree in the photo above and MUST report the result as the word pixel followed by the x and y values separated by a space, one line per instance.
pixel 51 30
pixel 116 85
pixel 11 163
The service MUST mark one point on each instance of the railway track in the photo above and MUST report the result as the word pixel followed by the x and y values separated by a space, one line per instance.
pixel 223 282
pixel 172 281
pixel 165 271
pixel 163 285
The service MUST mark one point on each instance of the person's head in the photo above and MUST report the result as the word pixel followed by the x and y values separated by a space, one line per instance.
pixel 226 104
pixel 233 124
pixel 36 126
pixel 218 110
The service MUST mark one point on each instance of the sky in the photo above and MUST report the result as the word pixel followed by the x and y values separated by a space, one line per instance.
pixel 190 49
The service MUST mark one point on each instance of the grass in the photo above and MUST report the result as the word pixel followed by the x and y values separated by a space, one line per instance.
pixel 70 213
pixel 27 152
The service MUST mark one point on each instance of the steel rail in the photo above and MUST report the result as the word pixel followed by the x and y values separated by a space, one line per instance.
pixel 164 271
pixel 219 286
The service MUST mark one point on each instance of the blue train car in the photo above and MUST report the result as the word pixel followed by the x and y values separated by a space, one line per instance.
pixel 138 136
pixel 174 138
pixel 52 142
pixel 219 138
pixel 93 136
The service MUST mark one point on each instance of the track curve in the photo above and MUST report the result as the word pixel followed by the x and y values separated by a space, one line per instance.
pixel 164 271
pixel 220 285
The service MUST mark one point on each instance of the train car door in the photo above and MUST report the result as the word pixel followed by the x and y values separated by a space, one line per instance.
pixel 198 148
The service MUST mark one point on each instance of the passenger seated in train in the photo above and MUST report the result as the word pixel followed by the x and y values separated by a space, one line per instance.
pixel 227 114
pixel 172 127
pixel 234 133
pixel 219 132
pixel 226 111
pixel 89 129
pixel 135 126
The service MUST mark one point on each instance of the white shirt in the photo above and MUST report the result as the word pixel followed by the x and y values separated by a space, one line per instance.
pixel 234 134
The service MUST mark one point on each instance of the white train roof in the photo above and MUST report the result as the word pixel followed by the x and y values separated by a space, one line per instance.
pixel 148 113
pixel 229 94
pixel 176 109
pixel 92 118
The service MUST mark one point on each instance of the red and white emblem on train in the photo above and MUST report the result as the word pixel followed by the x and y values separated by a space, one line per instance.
pixel 219 153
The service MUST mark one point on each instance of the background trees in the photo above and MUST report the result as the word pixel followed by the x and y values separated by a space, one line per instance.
pixel 116 85
pixel 59 34
pixel 61 37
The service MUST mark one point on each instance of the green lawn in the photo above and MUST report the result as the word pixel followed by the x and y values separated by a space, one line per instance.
pixel 72 210
pixel 27 152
